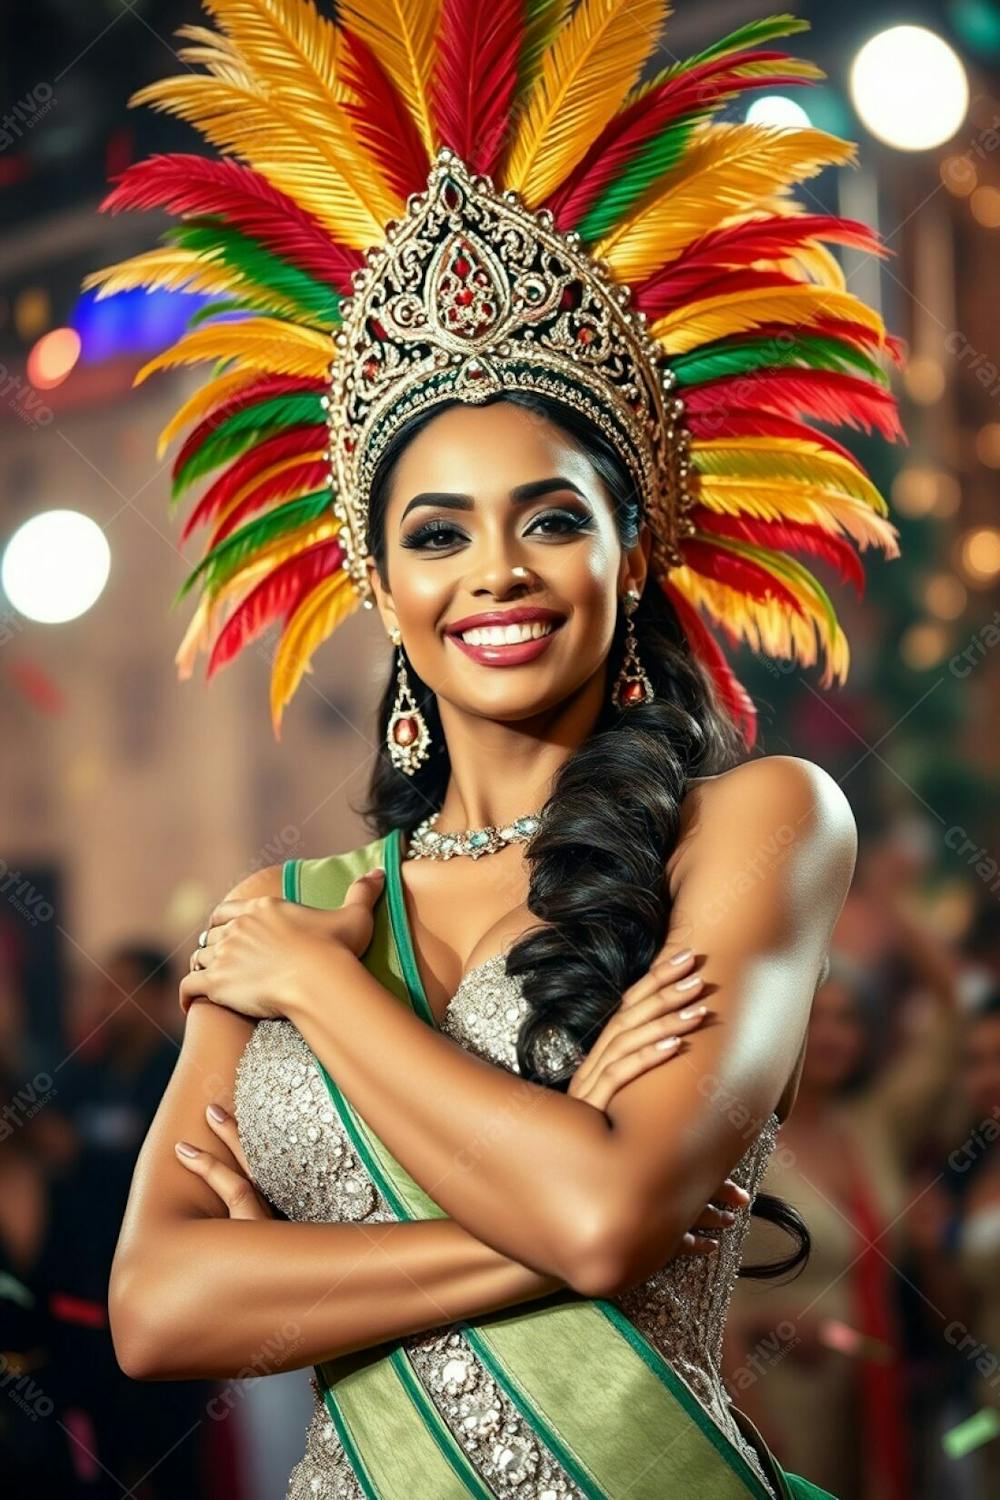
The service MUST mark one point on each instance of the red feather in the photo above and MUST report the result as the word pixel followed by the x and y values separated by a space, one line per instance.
pixel 303 479
pixel 193 186
pixel 741 245
pixel 382 120
pixel 717 424
pixel 473 88
pixel 694 91
pixel 705 649
pixel 827 395
pixel 270 451
pixel 259 390
pixel 737 572
pixel 787 536
pixel 280 593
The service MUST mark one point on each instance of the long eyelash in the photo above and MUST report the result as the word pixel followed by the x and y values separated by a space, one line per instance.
pixel 576 519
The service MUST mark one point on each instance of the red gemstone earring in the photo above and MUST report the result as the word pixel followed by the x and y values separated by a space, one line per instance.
pixel 406 734
pixel 631 685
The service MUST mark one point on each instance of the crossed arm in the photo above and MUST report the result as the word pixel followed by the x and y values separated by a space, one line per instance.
pixel 602 1199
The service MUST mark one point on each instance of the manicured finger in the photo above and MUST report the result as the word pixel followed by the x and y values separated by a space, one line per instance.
pixel 731 1195
pixel 232 1187
pixel 224 1126
pixel 714 1218
pixel 365 888
pixel 602 1086
pixel 667 967
pixel 696 1244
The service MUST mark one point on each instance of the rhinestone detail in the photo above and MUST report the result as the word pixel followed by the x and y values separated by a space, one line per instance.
pixel 303 1162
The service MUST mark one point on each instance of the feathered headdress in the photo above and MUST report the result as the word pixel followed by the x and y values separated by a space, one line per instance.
pixel 430 198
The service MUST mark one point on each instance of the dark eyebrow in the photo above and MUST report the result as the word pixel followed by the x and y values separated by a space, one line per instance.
pixel 521 495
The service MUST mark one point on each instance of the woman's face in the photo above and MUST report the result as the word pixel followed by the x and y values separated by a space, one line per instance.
pixel 836 1037
pixel 494 509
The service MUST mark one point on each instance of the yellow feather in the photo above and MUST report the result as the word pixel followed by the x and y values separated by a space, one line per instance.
pixel 316 618
pixel 271 472
pixel 264 344
pixel 711 318
pixel 189 271
pixel 351 202
pixel 586 74
pixel 402 35
pixel 769 627
pixel 782 500
pixel 771 459
pixel 727 168
pixel 201 402
pixel 197 638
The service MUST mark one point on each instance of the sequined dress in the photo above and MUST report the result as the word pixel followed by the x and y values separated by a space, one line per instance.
pixel 302 1161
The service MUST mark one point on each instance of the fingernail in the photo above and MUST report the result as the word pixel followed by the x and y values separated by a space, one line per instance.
pixel 217 1113
pixel 688 983
pixel 378 873
pixel 185 1148
pixel 692 1011
pixel 682 956
pixel 666 1042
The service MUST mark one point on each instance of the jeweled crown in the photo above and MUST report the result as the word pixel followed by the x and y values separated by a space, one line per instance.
pixel 471 294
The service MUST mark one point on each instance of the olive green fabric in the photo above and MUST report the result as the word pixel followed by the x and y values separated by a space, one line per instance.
pixel 611 1410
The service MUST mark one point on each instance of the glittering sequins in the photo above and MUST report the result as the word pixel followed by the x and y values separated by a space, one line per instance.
pixel 302 1160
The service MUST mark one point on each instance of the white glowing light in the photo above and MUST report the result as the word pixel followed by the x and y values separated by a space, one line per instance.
pixel 777 110
pixel 55 566
pixel 910 88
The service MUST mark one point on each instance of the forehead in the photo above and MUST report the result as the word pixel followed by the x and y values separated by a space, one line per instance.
pixel 484 450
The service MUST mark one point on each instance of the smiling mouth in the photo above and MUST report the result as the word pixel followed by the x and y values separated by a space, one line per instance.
pixel 507 635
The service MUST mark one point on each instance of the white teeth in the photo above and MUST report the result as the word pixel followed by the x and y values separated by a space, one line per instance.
pixel 507 635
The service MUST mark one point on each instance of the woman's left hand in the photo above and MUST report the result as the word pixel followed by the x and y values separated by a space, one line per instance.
pixel 256 950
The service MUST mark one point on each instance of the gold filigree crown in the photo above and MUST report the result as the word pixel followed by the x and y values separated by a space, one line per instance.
pixel 473 294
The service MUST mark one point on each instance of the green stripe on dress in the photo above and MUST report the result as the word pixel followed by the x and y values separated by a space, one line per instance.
pixel 556 1359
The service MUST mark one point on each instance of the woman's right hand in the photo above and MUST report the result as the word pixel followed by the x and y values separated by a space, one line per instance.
pixel 644 1032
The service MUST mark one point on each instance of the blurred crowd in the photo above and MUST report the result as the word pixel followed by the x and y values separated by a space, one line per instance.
pixel 873 1371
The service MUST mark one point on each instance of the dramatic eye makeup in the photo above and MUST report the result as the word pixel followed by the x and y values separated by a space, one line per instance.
pixel 554 520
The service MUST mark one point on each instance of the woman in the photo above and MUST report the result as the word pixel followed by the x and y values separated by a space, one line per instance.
pixel 448 1072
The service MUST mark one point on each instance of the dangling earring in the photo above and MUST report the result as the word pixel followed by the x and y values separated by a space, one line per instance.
pixel 406 733
pixel 631 685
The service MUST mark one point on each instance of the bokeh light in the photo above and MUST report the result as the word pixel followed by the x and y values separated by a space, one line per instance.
pixel 778 110
pixel 55 566
pixel 53 357
pixel 910 88
pixel 979 554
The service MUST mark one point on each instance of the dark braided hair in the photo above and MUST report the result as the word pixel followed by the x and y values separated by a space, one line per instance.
pixel 596 865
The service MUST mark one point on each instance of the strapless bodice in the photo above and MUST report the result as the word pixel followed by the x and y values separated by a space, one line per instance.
pixel 303 1162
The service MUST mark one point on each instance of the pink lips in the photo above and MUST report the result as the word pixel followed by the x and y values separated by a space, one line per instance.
pixel 514 654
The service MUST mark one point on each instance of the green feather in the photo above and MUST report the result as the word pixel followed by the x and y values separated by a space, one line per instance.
pixel 245 428
pixel 542 19
pixel 649 164
pixel 262 269
pixel 814 351
pixel 754 34
pixel 788 568
pixel 222 562
pixel 215 309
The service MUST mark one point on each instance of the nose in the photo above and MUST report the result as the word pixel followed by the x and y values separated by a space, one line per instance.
pixel 503 576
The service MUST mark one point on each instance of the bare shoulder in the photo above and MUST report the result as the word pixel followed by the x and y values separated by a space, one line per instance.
pixel 263 882
pixel 771 806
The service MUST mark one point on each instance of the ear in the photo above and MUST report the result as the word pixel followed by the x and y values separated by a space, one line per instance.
pixel 383 598
pixel 635 562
